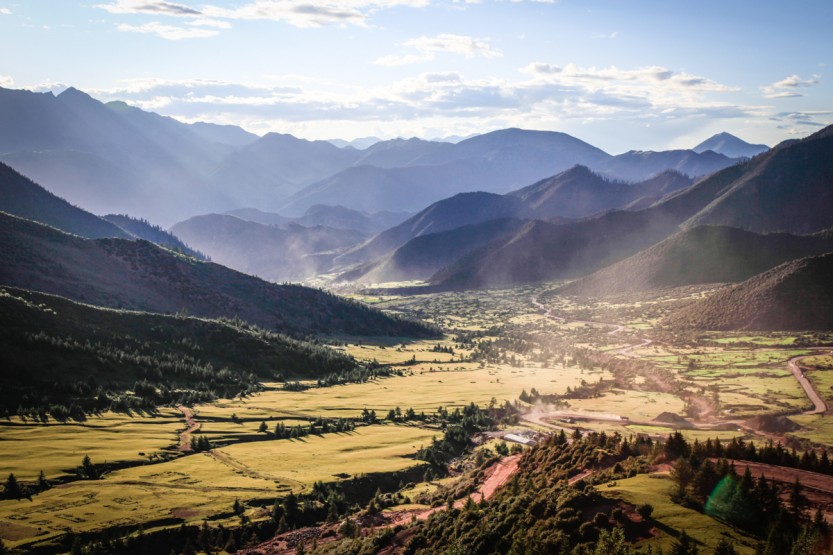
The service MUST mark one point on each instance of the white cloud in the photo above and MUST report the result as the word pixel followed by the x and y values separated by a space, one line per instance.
pixel 5 11
pixel 455 44
pixel 6 81
pixel 168 32
pixel 299 13
pixel 150 7
pixel 310 13
pixel 545 96
pixel 428 47
pixel 788 87
pixel 208 22
pixel 408 59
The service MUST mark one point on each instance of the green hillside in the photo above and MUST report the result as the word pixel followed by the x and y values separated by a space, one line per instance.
pixel 54 351
pixel 139 275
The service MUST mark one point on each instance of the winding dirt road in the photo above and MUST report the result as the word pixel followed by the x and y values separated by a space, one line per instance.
pixel 191 426
pixel 819 405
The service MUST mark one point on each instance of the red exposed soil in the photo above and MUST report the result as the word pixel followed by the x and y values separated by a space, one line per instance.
pixel 285 544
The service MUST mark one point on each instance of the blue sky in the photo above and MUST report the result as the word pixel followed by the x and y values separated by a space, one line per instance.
pixel 619 74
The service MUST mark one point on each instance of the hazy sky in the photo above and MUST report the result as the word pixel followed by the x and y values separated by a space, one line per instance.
pixel 619 74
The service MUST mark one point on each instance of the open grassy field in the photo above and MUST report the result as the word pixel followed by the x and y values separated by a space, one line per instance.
pixel 27 448
pixel 192 488
pixel 367 450
pixel 670 519
pixel 185 489
pixel 747 373
pixel 422 391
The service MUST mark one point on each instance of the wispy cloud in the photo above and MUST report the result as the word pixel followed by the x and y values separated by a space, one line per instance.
pixel 298 13
pixel 149 7
pixel 612 35
pixel 168 32
pixel 547 96
pixel 789 86
pixel 5 11
pixel 6 81
pixel 429 47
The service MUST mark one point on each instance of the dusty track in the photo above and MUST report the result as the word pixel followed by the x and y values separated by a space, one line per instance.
pixel 820 406
pixel 191 426
pixel 497 475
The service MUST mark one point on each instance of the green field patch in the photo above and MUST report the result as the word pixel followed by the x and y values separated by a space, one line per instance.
pixel 637 405
pixel 770 340
pixel 815 427
pixel 672 518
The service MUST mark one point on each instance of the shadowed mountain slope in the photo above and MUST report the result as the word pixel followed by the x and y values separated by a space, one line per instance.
pixel 20 196
pixel 580 192
pixel 793 296
pixel 705 254
pixel 422 256
pixel 139 275
pixel 788 188
pixel 142 229
pixel 459 210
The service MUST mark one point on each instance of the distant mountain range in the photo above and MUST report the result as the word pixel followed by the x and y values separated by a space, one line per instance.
pixel 793 296
pixel 114 158
pixel 786 189
pixel 463 220
pixel 496 162
pixel 139 275
pixel 288 252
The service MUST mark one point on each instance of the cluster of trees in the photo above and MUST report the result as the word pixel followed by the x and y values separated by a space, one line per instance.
pixel 459 426
pixel 538 511
pixel 769 453
pixel 361 374
pixel 317 426
pixel 201 444
pixel 754 504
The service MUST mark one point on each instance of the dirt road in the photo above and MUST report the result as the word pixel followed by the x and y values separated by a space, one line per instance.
pixel 820 407
pixel 191 426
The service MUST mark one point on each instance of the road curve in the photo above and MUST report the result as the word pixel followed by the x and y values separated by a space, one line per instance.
pixel 820 406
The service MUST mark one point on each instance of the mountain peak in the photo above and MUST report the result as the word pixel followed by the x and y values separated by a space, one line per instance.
pixel 730 145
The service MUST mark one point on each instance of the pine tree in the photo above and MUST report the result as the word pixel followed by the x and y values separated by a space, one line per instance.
pixel 724 547
pixel 43 483
pixel 684 545
pixel 13 488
